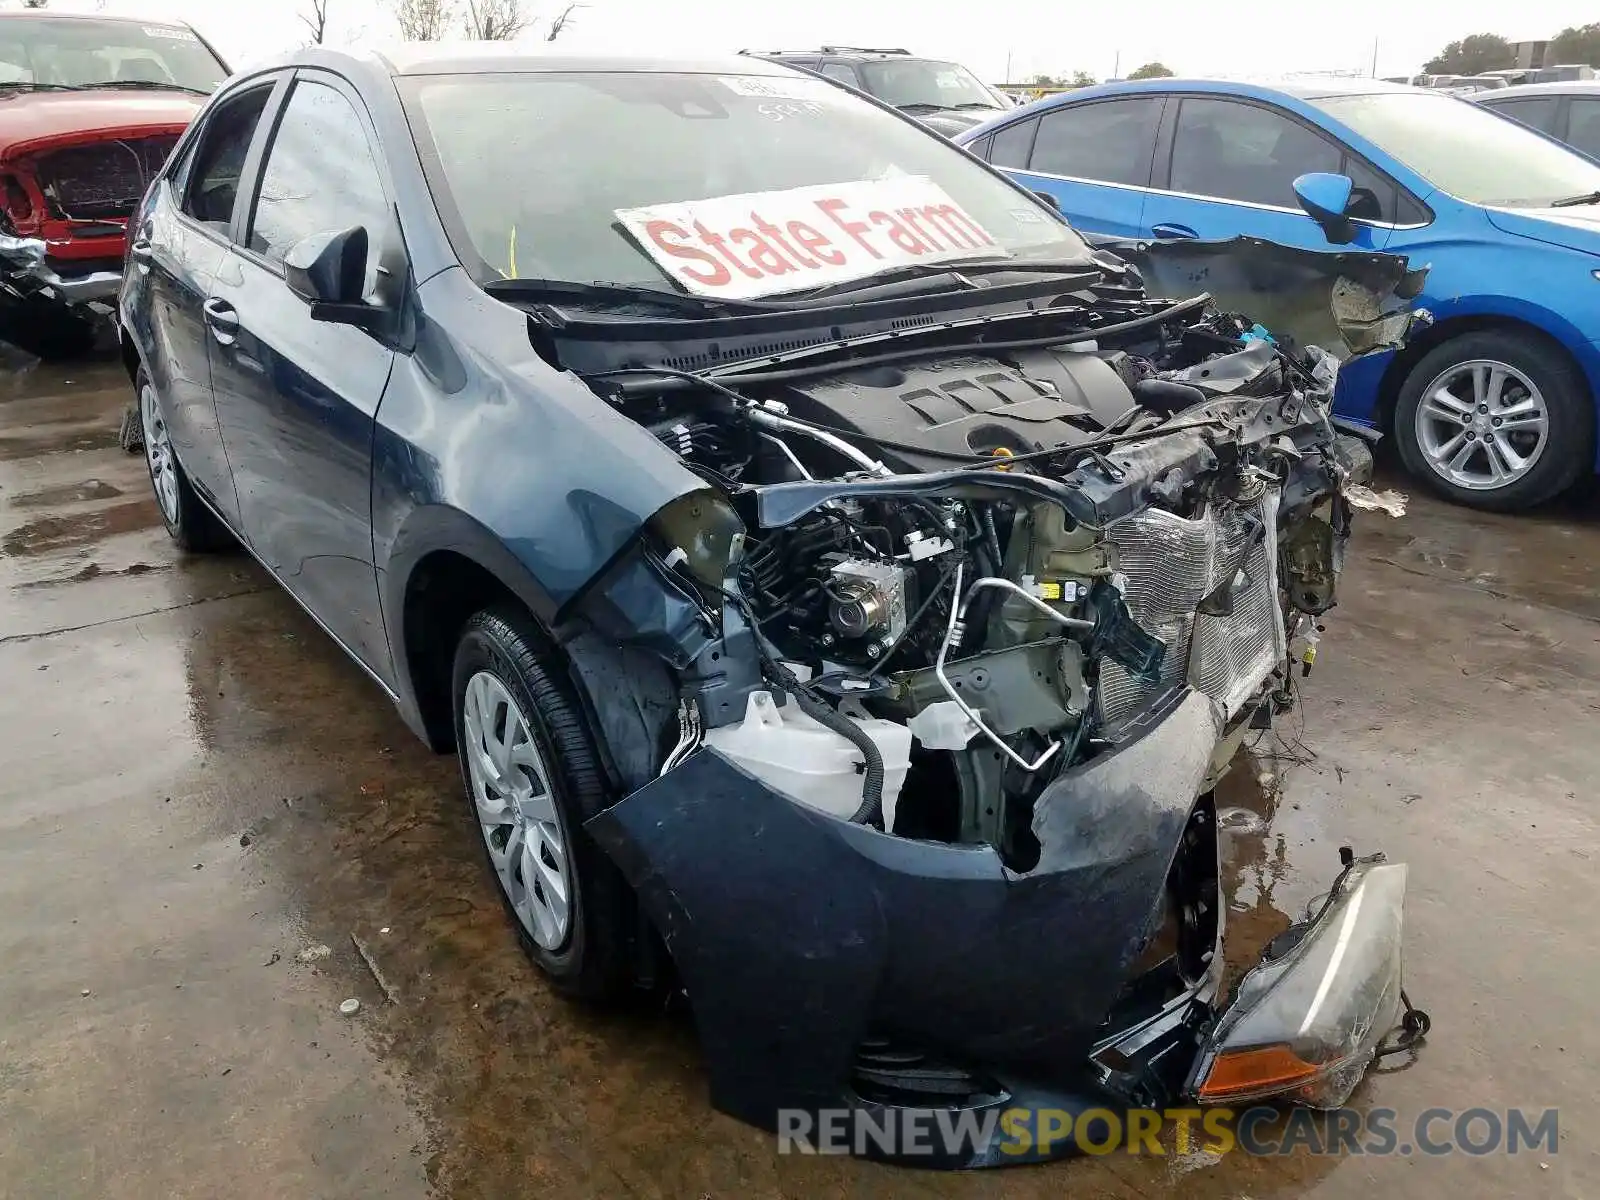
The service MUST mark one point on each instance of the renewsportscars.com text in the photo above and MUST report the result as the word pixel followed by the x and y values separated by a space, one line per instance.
pixel 1261 1130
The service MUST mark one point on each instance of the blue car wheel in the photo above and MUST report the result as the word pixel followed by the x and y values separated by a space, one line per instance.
pixel 1496 420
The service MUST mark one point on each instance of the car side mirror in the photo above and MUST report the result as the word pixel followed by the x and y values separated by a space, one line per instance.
pixel 329 272
pixel 1048 199
pixel 1326 198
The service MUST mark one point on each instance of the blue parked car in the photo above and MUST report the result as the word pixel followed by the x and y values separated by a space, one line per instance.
pixel 1495 405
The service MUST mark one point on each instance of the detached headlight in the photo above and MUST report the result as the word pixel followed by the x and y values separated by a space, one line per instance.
pixel 1305 1026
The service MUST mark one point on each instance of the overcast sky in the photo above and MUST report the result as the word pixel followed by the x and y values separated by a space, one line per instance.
pixel 1054 36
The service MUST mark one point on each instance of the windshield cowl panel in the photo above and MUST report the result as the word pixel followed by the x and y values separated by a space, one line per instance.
pixel 735 186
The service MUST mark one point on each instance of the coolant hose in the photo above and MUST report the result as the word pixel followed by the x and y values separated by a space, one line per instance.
pixel 822 713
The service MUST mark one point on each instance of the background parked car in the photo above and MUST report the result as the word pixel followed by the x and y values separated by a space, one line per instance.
pixel 1568 112
pixel 90 107
pixel 944 96
pixel 1495 406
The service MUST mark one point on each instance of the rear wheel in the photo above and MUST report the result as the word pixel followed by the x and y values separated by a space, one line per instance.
pixel 532 777
pixel 1496 420
pixel 192 525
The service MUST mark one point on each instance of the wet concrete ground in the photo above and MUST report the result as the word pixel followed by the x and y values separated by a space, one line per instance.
pixel 198 792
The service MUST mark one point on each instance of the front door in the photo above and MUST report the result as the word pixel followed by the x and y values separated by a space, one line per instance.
pixel 1231 172
pixel 297 398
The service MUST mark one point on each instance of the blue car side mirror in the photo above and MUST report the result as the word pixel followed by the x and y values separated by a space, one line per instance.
pixel 1326 199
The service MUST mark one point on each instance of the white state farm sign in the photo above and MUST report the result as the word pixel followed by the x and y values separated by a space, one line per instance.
pixel 765 242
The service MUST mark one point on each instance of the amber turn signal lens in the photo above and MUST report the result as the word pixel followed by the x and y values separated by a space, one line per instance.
pixel 1001 452
pixel 1266 1071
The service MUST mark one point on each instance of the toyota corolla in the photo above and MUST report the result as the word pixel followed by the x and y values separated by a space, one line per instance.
pixel 841 586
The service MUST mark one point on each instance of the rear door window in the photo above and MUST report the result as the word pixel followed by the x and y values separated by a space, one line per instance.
pixel 1013 145
pixel 1109 141
pixel 843 72
pixel 217 162
pixel 1245 152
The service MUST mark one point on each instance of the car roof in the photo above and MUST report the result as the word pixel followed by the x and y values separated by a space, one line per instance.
pixel 834 52
pixel 108 18
pixel 1556 87
pixel 1300 89
pixel 455 58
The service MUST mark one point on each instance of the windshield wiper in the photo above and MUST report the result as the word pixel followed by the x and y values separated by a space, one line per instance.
pixel 978 104
pixel 1576 201
pixel 617 293
pixel 956 269
pixel 27 86
pixel 920 106
pixel 137 85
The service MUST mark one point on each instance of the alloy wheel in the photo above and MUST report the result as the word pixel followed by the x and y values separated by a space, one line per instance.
pixel 516 810
pixel 158 453
pixel 1482 425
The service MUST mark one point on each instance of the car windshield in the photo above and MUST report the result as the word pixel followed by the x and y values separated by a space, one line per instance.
pixel 532 169
pixel 920 81
pixel 1466 151
pixel 74 52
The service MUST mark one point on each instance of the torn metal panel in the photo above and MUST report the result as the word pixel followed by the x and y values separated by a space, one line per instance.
pixel 25 273
pixel 1348 303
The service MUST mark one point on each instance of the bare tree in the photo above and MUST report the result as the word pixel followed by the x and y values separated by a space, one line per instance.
pixel 34 3
pixel 424 20
pixel 560 22
pixel 317 22
pixel 496 20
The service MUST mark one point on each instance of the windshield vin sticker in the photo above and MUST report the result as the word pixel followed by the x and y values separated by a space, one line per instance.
pixel 773 87
pixel 762 243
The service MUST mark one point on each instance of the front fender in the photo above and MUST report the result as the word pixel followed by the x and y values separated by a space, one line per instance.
pixel 528 455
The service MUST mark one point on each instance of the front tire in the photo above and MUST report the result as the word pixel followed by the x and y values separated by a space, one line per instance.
pixel 193 526
pixel 532 777
pixel 1496 420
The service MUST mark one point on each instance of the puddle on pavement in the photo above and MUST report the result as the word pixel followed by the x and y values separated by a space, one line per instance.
pixel 70 493
pixel 92 570
pixel 13 448
pixel 1546 557
pixel 46 535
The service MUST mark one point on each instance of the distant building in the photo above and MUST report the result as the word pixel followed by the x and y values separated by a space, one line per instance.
pixel 1531 55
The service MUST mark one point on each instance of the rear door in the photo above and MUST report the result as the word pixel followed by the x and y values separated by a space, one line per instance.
pixel 174 257
pixel 1227 167
pixel 1094 158
pixel 296 397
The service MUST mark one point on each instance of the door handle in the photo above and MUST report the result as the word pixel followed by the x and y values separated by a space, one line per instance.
pixel 223 319
pixel 1167 230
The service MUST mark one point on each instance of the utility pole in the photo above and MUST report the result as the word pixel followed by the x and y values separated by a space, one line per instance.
pixel 1008 67
pixel 1116 66
pixel 1374 58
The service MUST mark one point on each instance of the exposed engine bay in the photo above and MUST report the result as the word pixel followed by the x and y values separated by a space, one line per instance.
pixel 941 580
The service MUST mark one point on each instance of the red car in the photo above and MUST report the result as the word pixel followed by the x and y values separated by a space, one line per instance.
pixel 90 107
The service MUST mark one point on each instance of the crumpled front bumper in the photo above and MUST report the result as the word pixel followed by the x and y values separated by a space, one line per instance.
pixel 25 273
pixel 814 951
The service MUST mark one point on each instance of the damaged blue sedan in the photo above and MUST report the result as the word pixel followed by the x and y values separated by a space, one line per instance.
pixel 842 586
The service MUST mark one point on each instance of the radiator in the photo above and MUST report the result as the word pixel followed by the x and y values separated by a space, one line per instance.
pixel 1170 565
